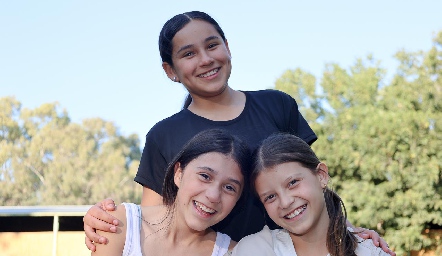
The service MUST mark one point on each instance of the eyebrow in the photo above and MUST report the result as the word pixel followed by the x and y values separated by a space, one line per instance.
pixel 263 194
pixel 216 172
pixel 289 178
pixel 185 47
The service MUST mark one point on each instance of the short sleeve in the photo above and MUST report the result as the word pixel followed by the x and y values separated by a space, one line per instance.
pixel 152 168
pixel 297 125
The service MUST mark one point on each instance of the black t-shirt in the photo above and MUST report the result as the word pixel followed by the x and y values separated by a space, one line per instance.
pixel 265 112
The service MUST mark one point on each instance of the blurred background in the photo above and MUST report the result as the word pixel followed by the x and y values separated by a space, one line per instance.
pixel 81 84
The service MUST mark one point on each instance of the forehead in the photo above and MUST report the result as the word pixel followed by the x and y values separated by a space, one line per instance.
pixel 274 175
pixel 194 31
pixel 223 165
pixel 289 167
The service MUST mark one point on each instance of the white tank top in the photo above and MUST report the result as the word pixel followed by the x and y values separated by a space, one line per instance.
pixel 132 245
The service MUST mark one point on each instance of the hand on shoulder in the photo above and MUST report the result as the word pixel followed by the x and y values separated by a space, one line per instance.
pixel 116 240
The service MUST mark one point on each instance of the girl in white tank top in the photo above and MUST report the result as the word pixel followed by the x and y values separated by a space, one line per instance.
pixel 201 187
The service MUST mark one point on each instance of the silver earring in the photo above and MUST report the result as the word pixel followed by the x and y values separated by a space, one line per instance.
pixel 174 78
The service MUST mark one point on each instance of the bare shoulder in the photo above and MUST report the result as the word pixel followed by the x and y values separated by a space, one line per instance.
pixel 116 242
pixel 119 213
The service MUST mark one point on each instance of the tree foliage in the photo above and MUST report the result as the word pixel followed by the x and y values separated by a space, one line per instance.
pixel 45 159
pixel 382 141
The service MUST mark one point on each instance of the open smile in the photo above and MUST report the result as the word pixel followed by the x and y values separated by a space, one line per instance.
pixel 203 209
pixel 210 73
pixel 296 212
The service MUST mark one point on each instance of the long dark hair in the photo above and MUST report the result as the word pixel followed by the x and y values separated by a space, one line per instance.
pixel 212 140
pixel 283 148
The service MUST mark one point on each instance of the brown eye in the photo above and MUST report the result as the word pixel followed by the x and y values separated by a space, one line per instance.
pixel 204 176
pixel 269 198
pixel 187 54
pixel 292 183
pixel 212 45
pixel 231 188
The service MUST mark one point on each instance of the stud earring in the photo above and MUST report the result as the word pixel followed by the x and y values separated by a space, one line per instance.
pixel 174 79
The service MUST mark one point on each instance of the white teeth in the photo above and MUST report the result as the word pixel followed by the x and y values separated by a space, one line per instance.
pixel 212 72
pixel 296 212
pixel 204 208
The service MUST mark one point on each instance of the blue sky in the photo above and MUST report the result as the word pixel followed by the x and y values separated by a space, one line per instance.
pixel 100 58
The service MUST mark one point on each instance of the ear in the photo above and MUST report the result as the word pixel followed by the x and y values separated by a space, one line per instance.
pixel 178 173
pixel 323 174
pixel 170 72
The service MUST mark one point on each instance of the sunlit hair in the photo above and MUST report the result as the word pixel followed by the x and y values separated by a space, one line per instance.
pixel 284 148
pixel 208 141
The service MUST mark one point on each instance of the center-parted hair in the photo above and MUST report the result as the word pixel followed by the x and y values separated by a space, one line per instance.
pixel 284 148
pixel 208 141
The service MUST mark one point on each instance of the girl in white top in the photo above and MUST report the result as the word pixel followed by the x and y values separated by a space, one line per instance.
pixel 202 186
pixel 292 184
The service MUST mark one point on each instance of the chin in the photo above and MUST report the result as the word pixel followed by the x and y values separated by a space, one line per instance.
pixel 297 229
pixel 198 227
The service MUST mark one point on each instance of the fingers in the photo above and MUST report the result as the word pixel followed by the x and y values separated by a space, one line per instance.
pixel 368 234
pixel 89 244
pixel 92 223
pixel 94 237
pixel 385 248
pixel 378 241
pixel 108 204
pixel 362 232
pixel 97 218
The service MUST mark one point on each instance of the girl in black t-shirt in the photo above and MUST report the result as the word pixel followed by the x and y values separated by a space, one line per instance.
pixel 195 53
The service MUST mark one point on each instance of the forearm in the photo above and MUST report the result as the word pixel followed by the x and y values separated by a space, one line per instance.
pixel 151 198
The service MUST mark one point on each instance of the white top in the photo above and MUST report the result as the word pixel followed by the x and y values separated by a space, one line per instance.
pixel 279 243
pixel 132 245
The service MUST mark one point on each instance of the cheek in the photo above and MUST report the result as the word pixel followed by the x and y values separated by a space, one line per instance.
pixel 230 202
pixel 183 67
pixel 271 211
pixel 189 188
pixel 227 59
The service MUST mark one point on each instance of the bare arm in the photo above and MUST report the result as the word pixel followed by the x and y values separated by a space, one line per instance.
pixel 151 198
pixel 97 218
pixel 116 242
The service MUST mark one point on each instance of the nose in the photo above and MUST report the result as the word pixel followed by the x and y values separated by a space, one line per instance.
pixel 286 201
pixel 206 58
pixel 213 193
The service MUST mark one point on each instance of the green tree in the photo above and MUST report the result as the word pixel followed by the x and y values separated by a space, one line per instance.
pixel 45 159
pixel 382 141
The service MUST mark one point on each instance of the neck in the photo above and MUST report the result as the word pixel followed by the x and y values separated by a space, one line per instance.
pixel 314 242
pixel 225 106
pixel 181 234
pixel 173 236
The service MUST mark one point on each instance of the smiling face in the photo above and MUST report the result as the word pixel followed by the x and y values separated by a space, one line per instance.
pixel 201 59
pixel 293 197
pixel 209 188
